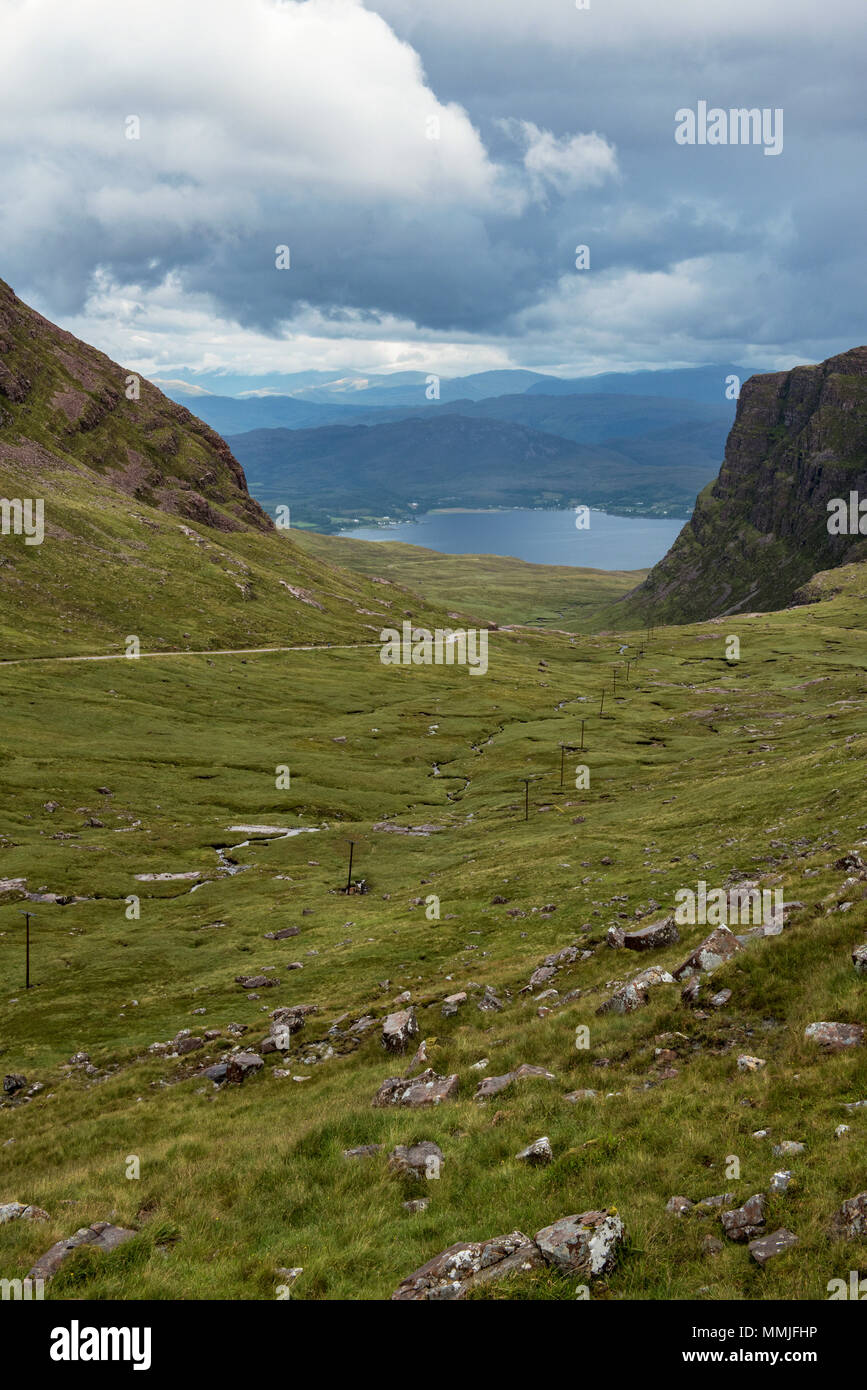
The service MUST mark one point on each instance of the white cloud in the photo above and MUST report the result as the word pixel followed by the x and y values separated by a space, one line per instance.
pixel 566 164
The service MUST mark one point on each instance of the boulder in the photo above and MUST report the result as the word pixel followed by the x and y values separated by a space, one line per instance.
pixel 452 1003
pixel 19 1211
pixel 766 1247
pixel 256 981
pixel 468 1265
pixel 292 1016
pixel 747 1222
pixel 493 1085
pixel 748 1063
pixel 633 995
pixel 537 1154
pixel 426 1089
pixel 788 1147
pixel 585 1244
pixel 859 959
pixel 101 1235
pixel 834 1037
pixel 678 1206
pixel 652 937
pixel 243 1065
pixel 489 1003
pixel 781 1181
pixel 542 975
pixel 217 1073
pixel 399 1029
pixel 185 1045
pixel 850 1222
pixel 282 934
pixel 713 952
pixel 13 1083
pixel 422 1160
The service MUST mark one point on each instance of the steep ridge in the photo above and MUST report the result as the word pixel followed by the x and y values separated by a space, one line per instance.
pixel 761 530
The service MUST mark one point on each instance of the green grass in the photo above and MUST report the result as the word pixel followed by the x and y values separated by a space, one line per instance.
pixel 495 588
pixel 698 768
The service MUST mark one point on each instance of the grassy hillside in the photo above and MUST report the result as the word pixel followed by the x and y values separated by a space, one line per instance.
pixel 495 588
pixel 699 769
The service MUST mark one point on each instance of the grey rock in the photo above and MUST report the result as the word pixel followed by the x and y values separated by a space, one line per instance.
pixel 468 1265
pixel 850 1221
pixel 584 1244
pixel 767 1247
pixel 422 1160
pixel 101 1235
pixel 835 1037
pixel 713 952
pixel 747 1222
pixel 426 1089
pixel 537 1154
pixel 652 937
pixel 399 1029
pixel 242 1066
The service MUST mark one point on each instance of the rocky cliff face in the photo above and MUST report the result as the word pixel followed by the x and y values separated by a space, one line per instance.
pixel 761 530
pixel 64 405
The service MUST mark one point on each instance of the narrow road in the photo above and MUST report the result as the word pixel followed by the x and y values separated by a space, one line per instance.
pixel 224 651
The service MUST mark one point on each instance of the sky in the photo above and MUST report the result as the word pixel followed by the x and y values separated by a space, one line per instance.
pixel 432 169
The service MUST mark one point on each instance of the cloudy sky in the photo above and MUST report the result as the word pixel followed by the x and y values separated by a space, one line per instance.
pixel 432 169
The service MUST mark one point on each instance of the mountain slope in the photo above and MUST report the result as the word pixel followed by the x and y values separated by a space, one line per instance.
pixel 149 527
pixel 761 530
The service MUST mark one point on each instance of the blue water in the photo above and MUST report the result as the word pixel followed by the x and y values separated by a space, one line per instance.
pixel 543 537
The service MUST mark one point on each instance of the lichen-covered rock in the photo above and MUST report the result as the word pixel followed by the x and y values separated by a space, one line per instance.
pixel 13 1082
pixel 452 1003
pixel 422 1160
pixel 399 1029
pixel 678 1206
pixel 493 1085
pixel 537 1154
pixel 850 1222
pixel 489 1003
pixel 747 1222
pixel 748 1063
pixel 650 938
pixel 834 1037
pixel 713 952
pixel 468 1265
pixel 767 1247
pixel 633 995
pixel 859 959
pixel 426 1089
pixel 584 1244
pixel 20 1211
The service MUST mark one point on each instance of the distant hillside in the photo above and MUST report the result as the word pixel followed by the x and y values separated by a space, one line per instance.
pixel 451 460
pixel 760 531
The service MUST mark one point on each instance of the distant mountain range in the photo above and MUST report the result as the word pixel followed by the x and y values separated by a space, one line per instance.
pixel 359 472
pixel 657 438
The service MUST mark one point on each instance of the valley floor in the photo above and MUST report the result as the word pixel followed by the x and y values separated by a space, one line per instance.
pixel 700 769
